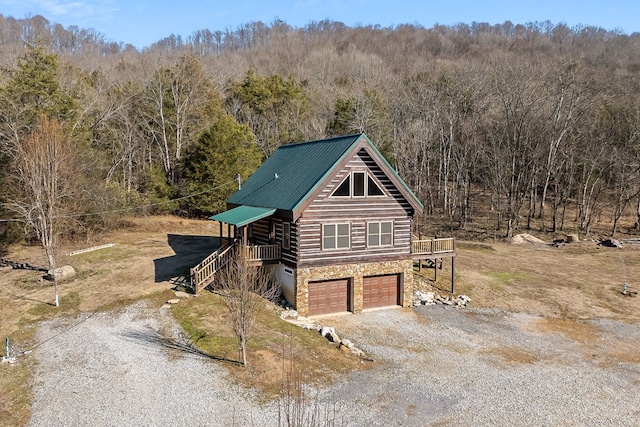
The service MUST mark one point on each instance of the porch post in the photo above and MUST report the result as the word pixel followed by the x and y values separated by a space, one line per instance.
pixel 220 224
pixel 453 273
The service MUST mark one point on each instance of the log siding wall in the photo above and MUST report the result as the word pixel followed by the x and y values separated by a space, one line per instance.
pixel 261 230
pixel 356 211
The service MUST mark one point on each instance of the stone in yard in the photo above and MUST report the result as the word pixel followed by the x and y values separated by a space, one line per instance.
pixel 346 343
pixel 357 352
pixel 181 294
pixel 329 333
pixel 611 243
pixel 61 273
pixel 292 314
pixel 324 330
pixel 173 301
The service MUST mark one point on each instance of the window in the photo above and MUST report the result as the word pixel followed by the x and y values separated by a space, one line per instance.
pixel 335 236
pixel 380 233
pixel 372 188
pixel 344 190
pixel 358 184
pixel 286 235
pixel 272 232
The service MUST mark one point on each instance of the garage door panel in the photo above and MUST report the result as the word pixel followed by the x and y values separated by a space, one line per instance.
pixel 331 296
pixel 381 291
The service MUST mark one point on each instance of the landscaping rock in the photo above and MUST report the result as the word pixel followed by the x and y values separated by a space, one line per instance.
pixel 611 243
pixel 181 294
pixel 329 333
pixel 430 298
pixel 173 301
pixel 346 343
pixel 289 314
pixel 61 273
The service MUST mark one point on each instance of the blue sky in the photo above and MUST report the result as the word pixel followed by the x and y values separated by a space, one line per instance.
pixel 142 22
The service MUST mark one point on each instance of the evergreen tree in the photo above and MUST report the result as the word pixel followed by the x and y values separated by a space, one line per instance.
pixel 212 163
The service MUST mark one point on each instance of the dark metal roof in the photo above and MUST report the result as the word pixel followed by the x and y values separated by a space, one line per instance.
pixel 294 171
pixel 290 174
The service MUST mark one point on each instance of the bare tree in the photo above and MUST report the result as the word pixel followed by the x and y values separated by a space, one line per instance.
pixel 44 166
pixel 244 288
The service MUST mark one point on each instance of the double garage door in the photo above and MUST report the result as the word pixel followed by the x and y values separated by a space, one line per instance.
pixel 334 296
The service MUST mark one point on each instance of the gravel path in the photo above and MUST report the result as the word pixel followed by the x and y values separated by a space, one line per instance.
pixel 441 366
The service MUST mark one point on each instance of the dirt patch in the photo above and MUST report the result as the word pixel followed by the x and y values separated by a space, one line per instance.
pixel 526 239
pixel 581 332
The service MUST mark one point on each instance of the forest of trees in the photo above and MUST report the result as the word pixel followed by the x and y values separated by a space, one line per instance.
pixel 534 125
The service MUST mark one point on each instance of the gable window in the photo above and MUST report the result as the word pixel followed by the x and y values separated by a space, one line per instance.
pixel 335 236
pixel 380 233
pixel 358 184
pixel 286 235
pixel 344 190
pixel 372 188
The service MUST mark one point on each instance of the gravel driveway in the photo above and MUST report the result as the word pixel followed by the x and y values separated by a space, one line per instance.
pixel 441 366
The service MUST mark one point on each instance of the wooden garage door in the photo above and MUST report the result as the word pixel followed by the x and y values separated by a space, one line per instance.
pixel 381 291
pixel 330 296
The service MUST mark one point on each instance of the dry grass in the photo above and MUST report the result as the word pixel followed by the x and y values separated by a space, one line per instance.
pixel 577 281
pixel 274 348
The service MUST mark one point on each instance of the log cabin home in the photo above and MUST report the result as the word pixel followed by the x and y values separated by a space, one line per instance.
pixel 332 220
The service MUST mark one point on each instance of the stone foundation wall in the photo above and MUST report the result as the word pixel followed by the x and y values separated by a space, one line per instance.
pixel 355 272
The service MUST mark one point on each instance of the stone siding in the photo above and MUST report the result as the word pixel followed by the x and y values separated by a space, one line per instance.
pixel 355 272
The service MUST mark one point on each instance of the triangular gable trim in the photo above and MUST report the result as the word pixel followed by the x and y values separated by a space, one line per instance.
pixel 361 142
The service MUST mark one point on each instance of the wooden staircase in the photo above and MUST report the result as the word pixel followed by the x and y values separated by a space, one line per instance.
pixel 204 273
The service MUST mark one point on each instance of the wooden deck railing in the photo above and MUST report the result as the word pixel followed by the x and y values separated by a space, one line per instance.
pixel 203 273
pixel 263 253
pixel 433 246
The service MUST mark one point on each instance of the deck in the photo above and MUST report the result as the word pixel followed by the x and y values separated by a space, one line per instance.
pixel 433 248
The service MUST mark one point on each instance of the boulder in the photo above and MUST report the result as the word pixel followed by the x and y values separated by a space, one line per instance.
pixel 346 343
pixel 611 243
pixel 462 300
pixel 182 294
pixel 61 273
pixel 289 314
pixel 173 301
pixel 357 352
pixel 329 333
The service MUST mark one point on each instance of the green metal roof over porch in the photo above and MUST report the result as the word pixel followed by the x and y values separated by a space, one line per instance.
pixel 243 215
